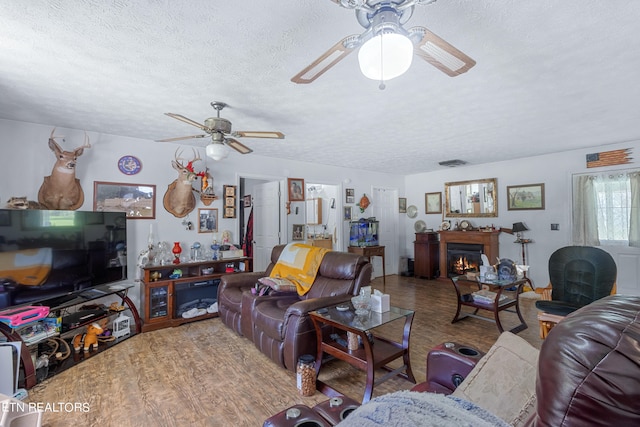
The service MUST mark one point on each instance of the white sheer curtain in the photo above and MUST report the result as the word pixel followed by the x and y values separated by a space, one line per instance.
pixel 585 216
pixel 606 208
pixel 634 223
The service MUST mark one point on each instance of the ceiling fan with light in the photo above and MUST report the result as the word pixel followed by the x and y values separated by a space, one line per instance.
pixel 221 135
pixel 386 48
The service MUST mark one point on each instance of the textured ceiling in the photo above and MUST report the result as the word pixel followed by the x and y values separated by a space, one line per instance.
pixel 551 75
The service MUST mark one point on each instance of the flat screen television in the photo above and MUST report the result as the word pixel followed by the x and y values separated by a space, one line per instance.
pixel 46 254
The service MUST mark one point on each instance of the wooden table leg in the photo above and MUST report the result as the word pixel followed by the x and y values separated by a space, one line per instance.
pixel 368 351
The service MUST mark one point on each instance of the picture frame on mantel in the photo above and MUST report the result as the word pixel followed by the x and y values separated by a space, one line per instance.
pixel 433 203
pixel 525 197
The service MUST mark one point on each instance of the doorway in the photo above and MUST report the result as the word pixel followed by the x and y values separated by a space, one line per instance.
pixel 384 203
pixel 261 221
pixel 322 220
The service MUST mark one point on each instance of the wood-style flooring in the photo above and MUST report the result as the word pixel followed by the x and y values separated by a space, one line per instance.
pixel 203 374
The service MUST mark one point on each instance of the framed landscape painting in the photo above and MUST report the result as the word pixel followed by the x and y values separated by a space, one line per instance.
pixel 138 201
pixel 433 203
pixel 525 197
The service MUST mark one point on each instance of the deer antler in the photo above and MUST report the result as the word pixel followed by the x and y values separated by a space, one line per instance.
pixel 87 143
pixel 179 159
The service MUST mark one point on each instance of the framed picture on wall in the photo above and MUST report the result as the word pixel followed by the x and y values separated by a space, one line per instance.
pixel 350 195
pixel 207 220
pixel 433 203
pixel 402 205
pixel 246 200
pixel 296 189
pixel 347 213
pixel 525 197
pixel 137 200
pixel 297 232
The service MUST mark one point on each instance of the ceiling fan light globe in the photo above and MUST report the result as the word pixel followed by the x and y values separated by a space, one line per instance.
pixel 217 151
pixel 387 62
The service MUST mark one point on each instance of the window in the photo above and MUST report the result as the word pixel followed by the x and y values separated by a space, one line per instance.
pixel 605 208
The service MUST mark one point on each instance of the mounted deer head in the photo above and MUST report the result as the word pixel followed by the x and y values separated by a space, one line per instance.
pixel 179 199
pixel 61 189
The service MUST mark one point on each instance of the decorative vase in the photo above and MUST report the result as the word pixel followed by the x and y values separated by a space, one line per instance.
pixel 177 250
pixel 216 250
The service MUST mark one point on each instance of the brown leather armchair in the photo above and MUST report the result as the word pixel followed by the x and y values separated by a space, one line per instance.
pixel 279 323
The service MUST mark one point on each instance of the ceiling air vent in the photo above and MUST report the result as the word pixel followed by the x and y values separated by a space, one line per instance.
pixel 452 163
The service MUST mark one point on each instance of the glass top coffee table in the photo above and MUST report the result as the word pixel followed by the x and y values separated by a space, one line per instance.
pixel 492 300
pixel 372 352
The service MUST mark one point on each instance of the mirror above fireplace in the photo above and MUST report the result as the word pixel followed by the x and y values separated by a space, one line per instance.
pixel 477 198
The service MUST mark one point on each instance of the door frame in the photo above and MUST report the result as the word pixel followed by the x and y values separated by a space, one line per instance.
pixel 266 178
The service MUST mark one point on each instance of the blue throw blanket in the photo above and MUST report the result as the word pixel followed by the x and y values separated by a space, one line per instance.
pixel 413 409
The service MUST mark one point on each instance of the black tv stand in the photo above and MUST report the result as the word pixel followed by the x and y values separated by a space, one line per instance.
pixel 62 304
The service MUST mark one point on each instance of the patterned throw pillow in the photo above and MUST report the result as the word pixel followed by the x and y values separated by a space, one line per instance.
pixel 278 284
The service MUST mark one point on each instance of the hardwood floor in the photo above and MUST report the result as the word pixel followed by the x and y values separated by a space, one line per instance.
pixel 203 374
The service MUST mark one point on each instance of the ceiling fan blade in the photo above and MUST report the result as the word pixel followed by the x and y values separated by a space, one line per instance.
pixel 238 146
pixel 187 120
pixel 180 138
pixel 257 134
pixel 441 54
pixel 327 60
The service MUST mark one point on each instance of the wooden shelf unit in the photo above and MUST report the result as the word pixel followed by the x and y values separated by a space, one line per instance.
pixel 62 306
pixel 158 297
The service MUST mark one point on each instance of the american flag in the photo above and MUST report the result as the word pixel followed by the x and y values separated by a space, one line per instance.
pixel 609 158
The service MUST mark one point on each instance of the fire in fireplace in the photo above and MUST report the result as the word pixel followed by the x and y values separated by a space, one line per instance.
pixel 463 258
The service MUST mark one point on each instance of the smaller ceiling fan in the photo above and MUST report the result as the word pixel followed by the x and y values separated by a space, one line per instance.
pixel 220 131
pixel 385 43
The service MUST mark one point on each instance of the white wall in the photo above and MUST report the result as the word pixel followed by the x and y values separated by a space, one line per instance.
pixel 28 160
pixel 554 170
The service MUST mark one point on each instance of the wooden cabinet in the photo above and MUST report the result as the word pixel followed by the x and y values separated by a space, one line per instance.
pixel 426 248
pixel 321 242
pixel 166 295
pixel 314 211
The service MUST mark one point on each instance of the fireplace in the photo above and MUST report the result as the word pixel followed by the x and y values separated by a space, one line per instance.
pixel 462 258
pixel 487 239
pixel 199 294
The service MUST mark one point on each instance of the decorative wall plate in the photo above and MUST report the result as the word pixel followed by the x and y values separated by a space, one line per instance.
pixel 420 226
pixel 412 211
pixel 129 165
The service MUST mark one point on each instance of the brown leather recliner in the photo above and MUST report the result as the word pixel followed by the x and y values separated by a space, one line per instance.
pixel 231 288
pixel 279 324
pixel 586 373
pixel 589 366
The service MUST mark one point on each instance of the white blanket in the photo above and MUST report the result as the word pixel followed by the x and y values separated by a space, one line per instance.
pixel 413 409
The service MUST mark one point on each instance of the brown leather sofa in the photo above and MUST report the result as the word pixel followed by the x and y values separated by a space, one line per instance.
pixel 279 324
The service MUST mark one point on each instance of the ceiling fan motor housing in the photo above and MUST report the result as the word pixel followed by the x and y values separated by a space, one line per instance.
pixel 218 124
